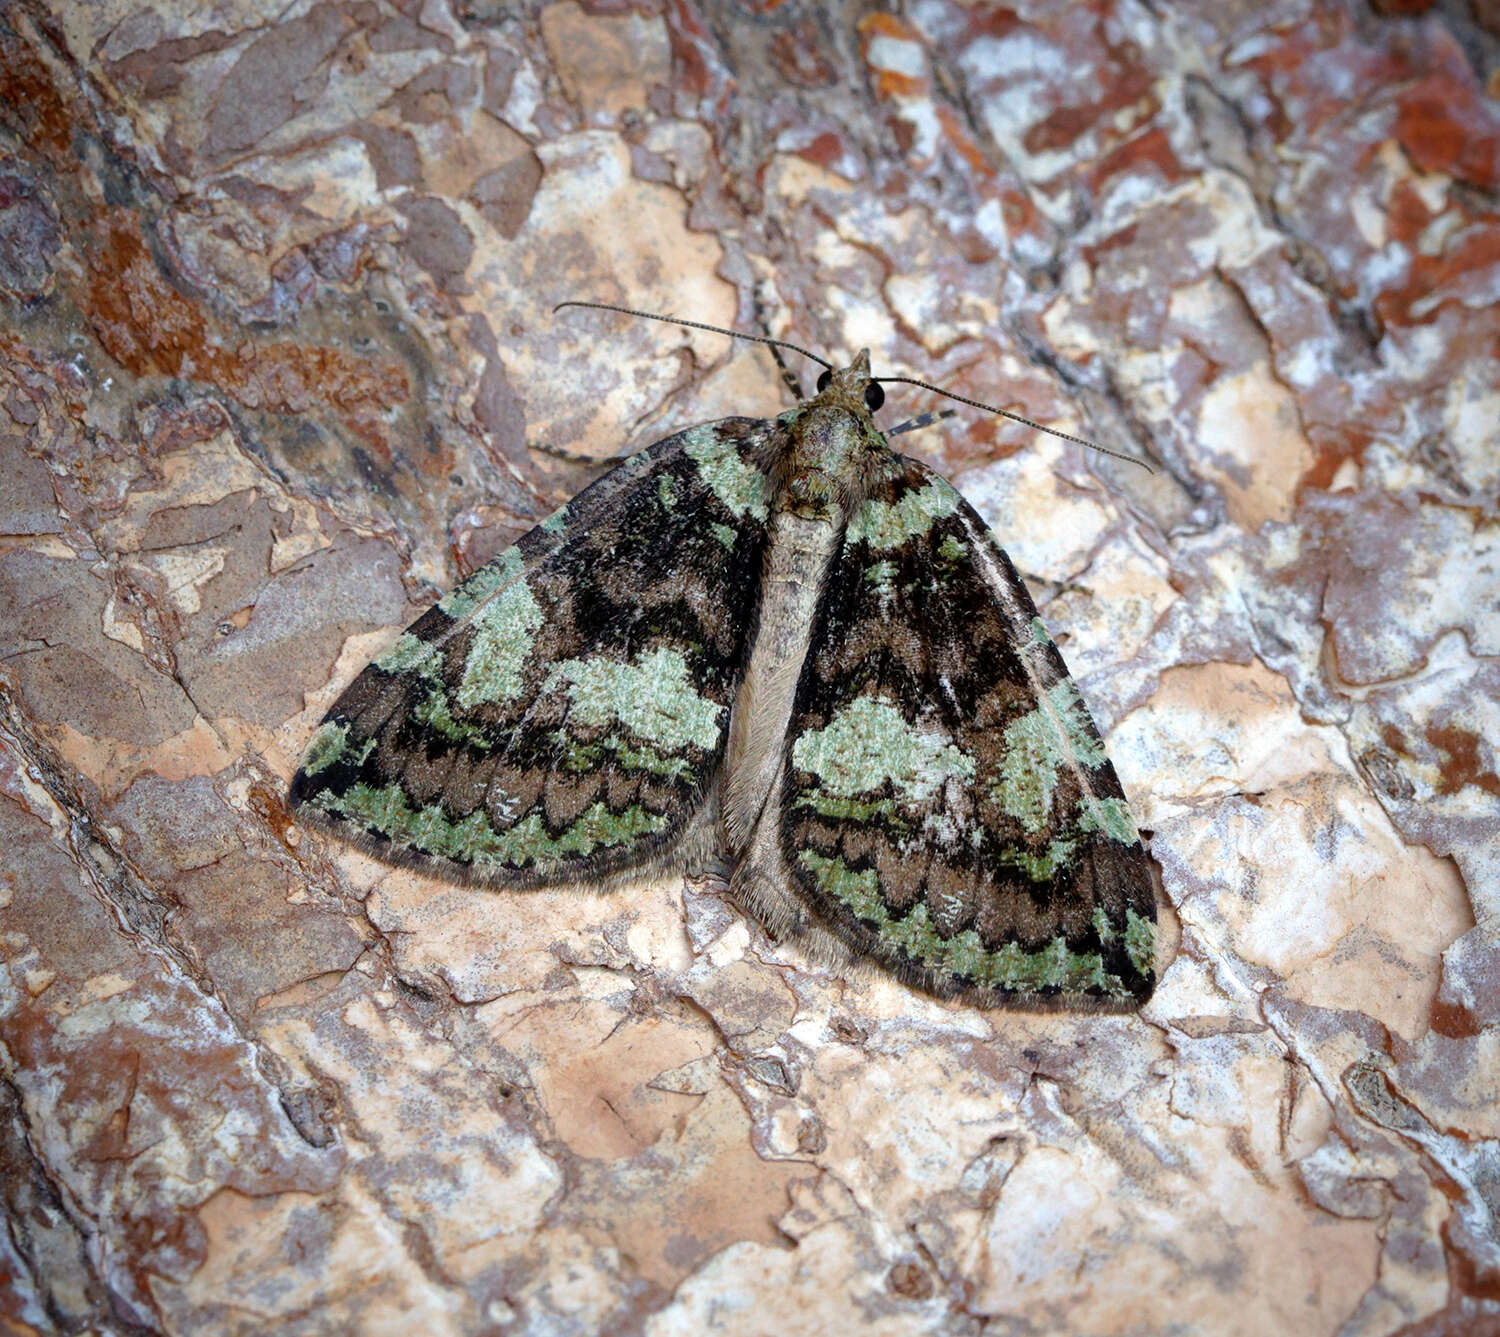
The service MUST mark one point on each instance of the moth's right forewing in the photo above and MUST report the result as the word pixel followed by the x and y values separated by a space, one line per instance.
pixel 947 807
pixel 560 715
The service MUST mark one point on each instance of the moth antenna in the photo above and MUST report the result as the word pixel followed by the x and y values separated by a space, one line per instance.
pixel 697 325
pixel 1025 422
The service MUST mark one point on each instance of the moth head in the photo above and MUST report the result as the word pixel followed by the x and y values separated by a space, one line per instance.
pixel 853 384
pixel 836 450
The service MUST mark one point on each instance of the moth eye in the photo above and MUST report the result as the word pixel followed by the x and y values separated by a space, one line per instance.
pixel 874 396
pixel 823 381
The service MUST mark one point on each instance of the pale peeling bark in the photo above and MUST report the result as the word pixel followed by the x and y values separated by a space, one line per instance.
pixel 276 343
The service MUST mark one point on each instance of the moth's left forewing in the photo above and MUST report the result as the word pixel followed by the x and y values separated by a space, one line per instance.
pixel 559 717
pixel 947 805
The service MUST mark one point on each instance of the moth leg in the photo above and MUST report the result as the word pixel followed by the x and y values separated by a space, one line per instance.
pixel 579 456
pixel 788 376
pixel 711 875
pixel 920 421
pixel 700 856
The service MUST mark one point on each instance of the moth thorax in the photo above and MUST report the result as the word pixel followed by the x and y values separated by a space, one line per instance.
pixel 829 456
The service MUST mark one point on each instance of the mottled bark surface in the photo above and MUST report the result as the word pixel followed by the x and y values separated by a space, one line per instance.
pixel 277 366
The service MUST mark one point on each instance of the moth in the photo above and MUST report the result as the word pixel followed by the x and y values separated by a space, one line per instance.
pixel 778 646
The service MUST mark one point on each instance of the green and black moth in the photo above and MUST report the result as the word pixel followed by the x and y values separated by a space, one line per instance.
pixel 776 646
